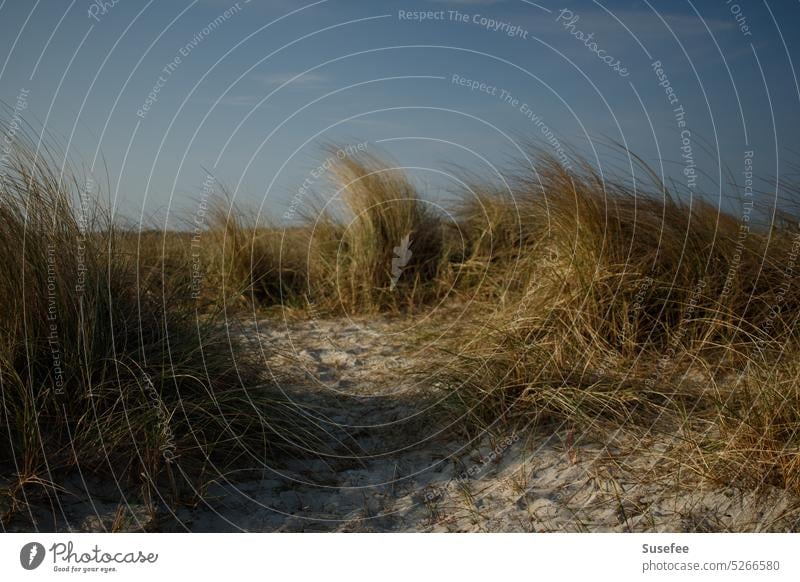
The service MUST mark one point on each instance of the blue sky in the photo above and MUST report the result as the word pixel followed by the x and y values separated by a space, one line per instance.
pixel 251 91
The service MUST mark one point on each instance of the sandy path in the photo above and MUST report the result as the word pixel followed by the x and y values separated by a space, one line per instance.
pixel 403 472
pixel 396 469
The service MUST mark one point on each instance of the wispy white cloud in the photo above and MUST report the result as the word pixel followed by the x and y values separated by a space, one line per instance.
pixel 240 100
pixel 468 2
pixel 308 81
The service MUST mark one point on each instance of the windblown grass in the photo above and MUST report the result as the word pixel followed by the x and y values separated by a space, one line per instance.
pixel 105 365
pixel 376 246
pixel 634 303
pixel 755 438
pixel 389 244
pixel 619 307
pixel 497 229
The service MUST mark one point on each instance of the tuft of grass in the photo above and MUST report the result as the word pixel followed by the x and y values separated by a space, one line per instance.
pixel 389 244
pixel 254 264
pixel 376 246
pixel 497 230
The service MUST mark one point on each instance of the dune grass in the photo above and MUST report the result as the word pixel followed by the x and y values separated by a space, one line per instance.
pixel 389 243
pixel 612 307
pixel 106 365
pixel 641 309
pixel 375 246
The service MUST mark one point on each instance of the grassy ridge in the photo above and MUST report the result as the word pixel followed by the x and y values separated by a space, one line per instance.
pixel 638 308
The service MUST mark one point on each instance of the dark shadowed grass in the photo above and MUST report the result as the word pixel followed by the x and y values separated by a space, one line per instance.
pixel 106 365
pixel 251 264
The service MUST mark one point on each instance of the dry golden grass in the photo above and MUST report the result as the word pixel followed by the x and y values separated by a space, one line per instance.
pixel 384 216
pixel 342 258
pixel 105 363
pixel 628 294
pixel 609 298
